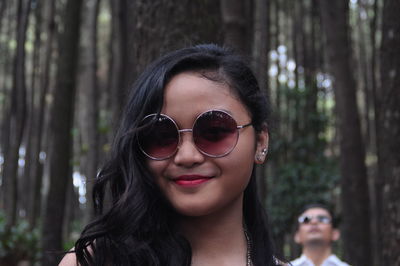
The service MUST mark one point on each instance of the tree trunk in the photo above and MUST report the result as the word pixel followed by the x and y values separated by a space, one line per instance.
pixel 297 32
pixel 5 73
pixel 2 10
pixel 260 66
pixel 37 166
pixel 60 126
pixel 355 200
pixel 135 42
pixel 365 74
pixel 118 59
pixel 17 116
pixel 389 132
pixel 376 207
pixel 29 134
pixel 261 43
pixel 90 107
pixel 234 19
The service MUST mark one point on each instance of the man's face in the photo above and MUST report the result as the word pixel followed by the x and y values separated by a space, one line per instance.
pixel 315 228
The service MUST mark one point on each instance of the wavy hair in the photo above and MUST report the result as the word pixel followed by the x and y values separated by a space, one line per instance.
pixel 139 228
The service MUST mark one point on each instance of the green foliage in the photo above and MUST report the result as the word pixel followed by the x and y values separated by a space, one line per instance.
pixel 297 184
pixel 18 242
pixel 302 172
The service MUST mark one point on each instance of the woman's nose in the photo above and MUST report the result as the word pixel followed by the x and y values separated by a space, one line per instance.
pixel 187 154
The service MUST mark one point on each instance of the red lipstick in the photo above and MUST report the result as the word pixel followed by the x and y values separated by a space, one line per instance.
pixel 191 180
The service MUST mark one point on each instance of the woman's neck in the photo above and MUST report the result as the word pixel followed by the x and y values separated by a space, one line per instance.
pixel 217 239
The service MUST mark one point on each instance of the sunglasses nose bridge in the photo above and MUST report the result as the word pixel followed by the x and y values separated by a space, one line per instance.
pixel 187 152
pixel 183 130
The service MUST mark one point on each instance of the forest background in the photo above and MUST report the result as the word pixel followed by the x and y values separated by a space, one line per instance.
pixel 330 68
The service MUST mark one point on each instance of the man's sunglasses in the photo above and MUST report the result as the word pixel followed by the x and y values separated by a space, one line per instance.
pixel 305 219
pixel 215 134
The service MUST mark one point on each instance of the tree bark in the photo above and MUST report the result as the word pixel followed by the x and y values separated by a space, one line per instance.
pixel 6 60
pixel 118 59
pixel 91 95
pixel 376 207
pixel 354 197
pixel 260 65
pixel 60 126
pixel 143 30
pixel 234 21
pixel 36 170
pixel 33 96
pixel 17 116
pixel 389 132
pixel 2 10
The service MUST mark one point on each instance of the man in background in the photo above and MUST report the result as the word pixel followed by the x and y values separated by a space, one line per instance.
pixel 316 233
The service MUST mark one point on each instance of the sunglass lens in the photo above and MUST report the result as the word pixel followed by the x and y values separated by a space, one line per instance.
pixel 323 219
pixel 215 133
pixel 304 219
pixel 158 139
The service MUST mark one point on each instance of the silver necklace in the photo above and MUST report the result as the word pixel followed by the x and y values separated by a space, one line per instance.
pixel 248 253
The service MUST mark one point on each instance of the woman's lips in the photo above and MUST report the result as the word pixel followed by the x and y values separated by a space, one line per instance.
pixel 191 180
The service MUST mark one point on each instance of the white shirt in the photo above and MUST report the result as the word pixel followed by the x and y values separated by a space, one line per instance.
pixel 332 260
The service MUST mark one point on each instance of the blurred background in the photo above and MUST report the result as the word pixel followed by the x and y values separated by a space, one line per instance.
pixel 330 68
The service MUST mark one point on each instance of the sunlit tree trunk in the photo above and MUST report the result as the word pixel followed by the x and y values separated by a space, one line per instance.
pixel 60 125
pixel 355 201
pixel 389 132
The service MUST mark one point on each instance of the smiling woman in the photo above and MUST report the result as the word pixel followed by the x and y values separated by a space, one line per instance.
pixel 181 175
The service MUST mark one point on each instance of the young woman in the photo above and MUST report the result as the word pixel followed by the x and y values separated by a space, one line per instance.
pixel 181 176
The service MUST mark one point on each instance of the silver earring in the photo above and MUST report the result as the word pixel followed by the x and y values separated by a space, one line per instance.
pixel 264 151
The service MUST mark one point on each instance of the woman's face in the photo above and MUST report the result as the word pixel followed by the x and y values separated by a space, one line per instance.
pixel 194 183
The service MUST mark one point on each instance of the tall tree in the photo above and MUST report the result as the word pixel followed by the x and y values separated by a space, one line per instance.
pixel 118 58
pixel 26 181
pixel 354 197
pixel 388 118
pixel 60 125
pixel 5 59
pixel 143 30
pixel 91 101
pixel 234 22
pixel 17 115
pixel 2 9
pixel 36 169
pixel 260 65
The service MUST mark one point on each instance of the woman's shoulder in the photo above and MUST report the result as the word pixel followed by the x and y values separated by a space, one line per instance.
pixel 69 259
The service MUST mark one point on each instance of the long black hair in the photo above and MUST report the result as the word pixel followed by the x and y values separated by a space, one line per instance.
pixel 139 228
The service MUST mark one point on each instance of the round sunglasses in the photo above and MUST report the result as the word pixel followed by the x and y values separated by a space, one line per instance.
pixel 305 219
pixel 215 134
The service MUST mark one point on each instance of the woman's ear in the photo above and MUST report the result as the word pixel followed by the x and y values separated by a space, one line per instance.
pixel 262 139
